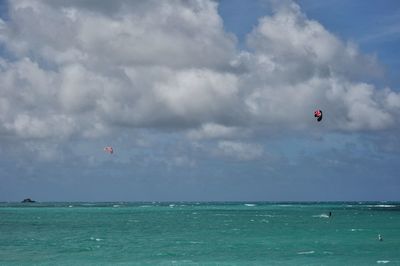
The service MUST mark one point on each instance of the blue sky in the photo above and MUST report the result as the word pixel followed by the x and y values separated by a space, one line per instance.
pixel 201 101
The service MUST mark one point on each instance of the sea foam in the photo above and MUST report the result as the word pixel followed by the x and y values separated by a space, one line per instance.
pixel 381 206
pixel 321 216
pixel 306 252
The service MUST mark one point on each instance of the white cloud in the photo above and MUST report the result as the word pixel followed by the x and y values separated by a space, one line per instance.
pixel 85 69
pixel 212 130
pixel 198 95
pixel 26 126
pixel 80 89
pixel 296 66
pixel 301 48
pixel 175 34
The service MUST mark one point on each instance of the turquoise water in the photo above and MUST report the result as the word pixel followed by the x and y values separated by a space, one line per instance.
pixel 199 234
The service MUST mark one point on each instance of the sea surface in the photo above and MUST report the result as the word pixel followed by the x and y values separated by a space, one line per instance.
pixel 183 233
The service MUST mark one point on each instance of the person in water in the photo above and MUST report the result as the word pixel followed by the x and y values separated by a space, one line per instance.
pixel 330 214
pixel 380 238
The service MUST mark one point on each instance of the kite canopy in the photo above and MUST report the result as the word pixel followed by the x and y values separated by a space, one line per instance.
pixel 318 115
pixel 109 149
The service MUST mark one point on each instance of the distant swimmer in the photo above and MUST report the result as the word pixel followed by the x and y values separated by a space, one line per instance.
pixel 380 238
pixel 330 214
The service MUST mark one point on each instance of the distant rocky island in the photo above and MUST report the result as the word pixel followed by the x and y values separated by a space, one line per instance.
pixel 28 200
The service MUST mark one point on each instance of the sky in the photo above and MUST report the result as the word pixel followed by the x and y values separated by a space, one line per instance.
pixel 200 100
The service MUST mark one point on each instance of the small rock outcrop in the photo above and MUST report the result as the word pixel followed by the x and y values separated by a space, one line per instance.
pixel 28 200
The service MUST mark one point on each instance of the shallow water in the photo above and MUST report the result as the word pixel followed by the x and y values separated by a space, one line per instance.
pixel 199 233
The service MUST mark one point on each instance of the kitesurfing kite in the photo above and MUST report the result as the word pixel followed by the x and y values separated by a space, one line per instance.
pixel 318 115
pixel 109 149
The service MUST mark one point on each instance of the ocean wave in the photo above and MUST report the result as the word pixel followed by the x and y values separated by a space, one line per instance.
pixel 265 215
pixel 321 216
pixel 382 261
pixel 381 206
pixel 306 252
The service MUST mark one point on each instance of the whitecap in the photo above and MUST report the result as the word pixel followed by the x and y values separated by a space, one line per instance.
pixel 306 252
pixel 354 230
pixel 381 206
pixel 321 216
pixel 116 206
pixel 382 261
pixel 249 205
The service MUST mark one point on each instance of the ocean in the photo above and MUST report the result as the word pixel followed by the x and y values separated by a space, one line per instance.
pixel 190 233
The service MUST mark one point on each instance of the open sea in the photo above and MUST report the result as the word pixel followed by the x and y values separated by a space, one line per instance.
pixel 183 233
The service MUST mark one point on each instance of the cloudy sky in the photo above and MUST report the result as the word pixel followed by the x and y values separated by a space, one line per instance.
pixel 201 100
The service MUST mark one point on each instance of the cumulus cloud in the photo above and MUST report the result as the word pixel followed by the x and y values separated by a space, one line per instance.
pixel 299 48
pixel 152 64
pixel 84 68
pixel 212 130
pixel 175 34
pixel 295 66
